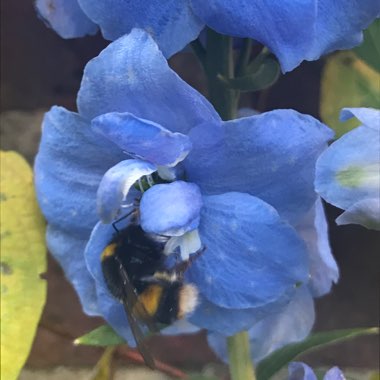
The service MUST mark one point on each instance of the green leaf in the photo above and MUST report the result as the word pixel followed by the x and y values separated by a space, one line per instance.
pixel 102 336
pixel 369 50
pixel 273 363
pixel 103 369
pixel 23 259
pixel 347 82
pixel 266 75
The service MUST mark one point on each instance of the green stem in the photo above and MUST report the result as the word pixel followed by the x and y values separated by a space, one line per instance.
pixel 241 366
pixel 199 51
pixel 219 61
pixel 244 57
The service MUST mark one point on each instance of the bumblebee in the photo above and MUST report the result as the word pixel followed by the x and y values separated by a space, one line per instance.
pixel 135 273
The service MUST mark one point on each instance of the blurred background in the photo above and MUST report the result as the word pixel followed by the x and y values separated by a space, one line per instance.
pixel 38 70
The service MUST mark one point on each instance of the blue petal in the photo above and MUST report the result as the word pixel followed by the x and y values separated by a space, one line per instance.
pixel 369 117
pixel 300 371
pixel 227 321
pixel 181 326
pixel 171 209
pixel 132 75
pixel 365 212
pixel 172 22
pixel 285 26
pixel 271 156
pixel 113 312
pixel 252 258
pixel 349 170
pixel 116 184
pixel 293 30
pixel 292 324
pixel 68 250
pixel 334 373
pixel 66 17
pixel 323 267
pixel 143 139
pixel 68 169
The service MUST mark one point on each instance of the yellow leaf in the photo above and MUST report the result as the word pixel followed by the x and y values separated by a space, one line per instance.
pixel 23 258
pixel 347 82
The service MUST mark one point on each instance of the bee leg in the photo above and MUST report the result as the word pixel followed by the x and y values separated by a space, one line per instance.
pixel 181 267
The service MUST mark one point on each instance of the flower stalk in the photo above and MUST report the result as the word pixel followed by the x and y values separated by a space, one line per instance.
pixel 241 366
pixel 219 60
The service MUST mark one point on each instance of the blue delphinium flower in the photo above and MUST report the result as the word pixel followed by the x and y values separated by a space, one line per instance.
pixel 293 30
pixel 241 188
pixel 301 371
pixel 348 172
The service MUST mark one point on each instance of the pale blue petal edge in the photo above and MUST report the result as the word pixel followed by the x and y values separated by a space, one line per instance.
pixel 116 185
pixel 365 212
pixel 370 117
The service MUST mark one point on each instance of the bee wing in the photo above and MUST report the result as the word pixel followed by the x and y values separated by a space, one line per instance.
pixel 131 303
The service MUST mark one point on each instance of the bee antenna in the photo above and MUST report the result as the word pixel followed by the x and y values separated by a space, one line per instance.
pixel 120 219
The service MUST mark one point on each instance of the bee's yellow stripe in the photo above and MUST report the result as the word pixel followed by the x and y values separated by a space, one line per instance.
pixel 150 298
pixel 109 251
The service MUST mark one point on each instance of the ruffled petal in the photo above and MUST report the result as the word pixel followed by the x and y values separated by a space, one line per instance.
pixel 292 324
pixel 66 17
pixel 68 250
pixel 271 156
pixel 115 82
pixel 334 373
pixel 323 267
pixel 293 30
pixel 171 209
pixel 69 166
pixel 252 258
pixel 227 321
pixel 369 117
pixel 171 23
pixel 365 212
pixel 116 185
pixel 349 170
pixel 142 138
pixel 300 371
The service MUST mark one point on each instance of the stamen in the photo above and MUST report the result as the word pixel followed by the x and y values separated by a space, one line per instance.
pixel 188 243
